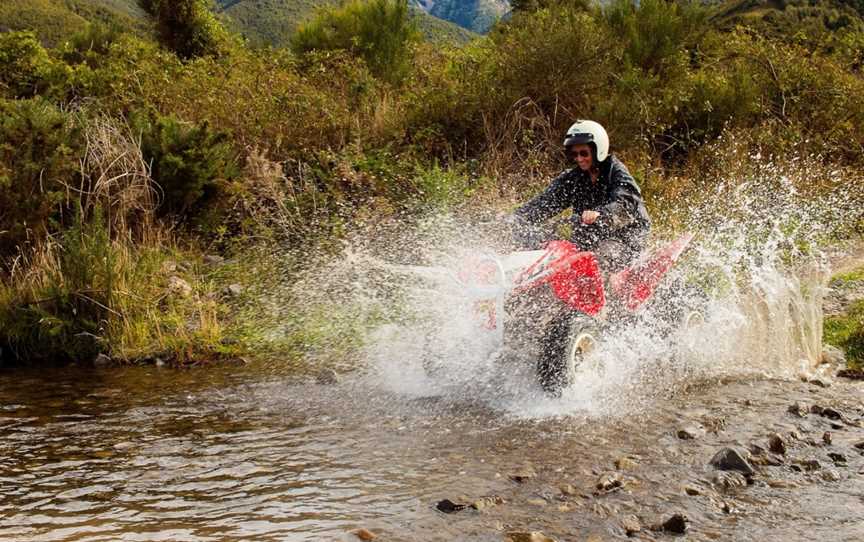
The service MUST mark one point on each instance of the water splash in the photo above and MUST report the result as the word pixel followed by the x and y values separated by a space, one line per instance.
pixel 759 259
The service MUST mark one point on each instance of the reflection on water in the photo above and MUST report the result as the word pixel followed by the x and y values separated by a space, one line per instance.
pixel 228 454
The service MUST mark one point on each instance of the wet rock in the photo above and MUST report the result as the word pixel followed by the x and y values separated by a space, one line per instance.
pixel 729 459
pixel 675 524
pixel 522 476
pixel 798 409
pixel 487 502
pixel 102 360
pixel 826 412
pixel 729 480
pixel 832 355
pixel 327 377
pixel 776 444
pixel 364 534
pixel 807 465
pixel 838 459
pixel 234 290
pixel 830 475
pixel 819 382
pixel 179 287
pixel 449 507
pixel 536 536
pixel 852 374
pixel 609 481
pixel 826 438
pixel 691 432
pixel 631 525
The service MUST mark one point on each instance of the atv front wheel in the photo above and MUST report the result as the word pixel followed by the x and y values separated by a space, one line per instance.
pixel 565 344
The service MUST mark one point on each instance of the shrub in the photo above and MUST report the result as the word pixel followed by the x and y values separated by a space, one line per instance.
pixel 26 68
pixel 39 147
pixel 186 160
pixel 655 31
pixel 381 32
pixel 187 27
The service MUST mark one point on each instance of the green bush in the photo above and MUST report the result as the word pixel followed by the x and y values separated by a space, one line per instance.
pixel 655 31
pixel 187 27
pixel 26 68
pixel 381 32
pixel 186 160
pixel 39 152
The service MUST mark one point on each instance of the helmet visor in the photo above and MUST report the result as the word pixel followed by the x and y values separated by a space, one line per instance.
pixel 578 139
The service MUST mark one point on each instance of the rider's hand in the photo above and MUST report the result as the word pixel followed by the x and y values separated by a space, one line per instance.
pixel 589 217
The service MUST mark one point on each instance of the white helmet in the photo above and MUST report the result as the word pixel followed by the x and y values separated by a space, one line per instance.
pixel 590 133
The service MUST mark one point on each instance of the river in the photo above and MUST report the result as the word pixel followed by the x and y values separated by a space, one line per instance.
pixel 227 453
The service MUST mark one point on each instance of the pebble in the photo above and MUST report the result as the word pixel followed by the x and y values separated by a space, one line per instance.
pixel 776 444
pixel 365 535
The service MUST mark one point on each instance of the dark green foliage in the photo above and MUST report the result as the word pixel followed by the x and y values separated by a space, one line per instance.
pixel 40 147
pixel 186 161
pixel 187 27
pixel 26 68
pixel 654 31
pixel 91 45
pixel 381 32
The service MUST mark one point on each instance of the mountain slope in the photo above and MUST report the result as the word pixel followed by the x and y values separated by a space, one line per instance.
pixel 476 15
pixel 272 22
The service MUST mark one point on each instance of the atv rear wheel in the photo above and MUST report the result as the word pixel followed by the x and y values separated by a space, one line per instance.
pixel 564 347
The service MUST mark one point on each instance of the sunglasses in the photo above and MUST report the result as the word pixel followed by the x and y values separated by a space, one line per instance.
pixel 581 153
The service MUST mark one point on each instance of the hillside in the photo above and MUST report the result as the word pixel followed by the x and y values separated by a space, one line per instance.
pixel 790 17
pixel 476 15
pixel 55 20
pixel 269 22
pixel 273 21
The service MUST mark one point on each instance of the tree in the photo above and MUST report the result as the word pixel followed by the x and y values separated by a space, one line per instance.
pixel 381 32
pixel 187 27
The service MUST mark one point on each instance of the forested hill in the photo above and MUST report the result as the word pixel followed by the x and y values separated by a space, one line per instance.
pixel 270 22
pixel 274 21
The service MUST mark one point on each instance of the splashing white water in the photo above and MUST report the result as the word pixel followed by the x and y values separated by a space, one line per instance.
pixel 757 258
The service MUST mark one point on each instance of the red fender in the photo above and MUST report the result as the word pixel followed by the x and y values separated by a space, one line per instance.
pixel 636 284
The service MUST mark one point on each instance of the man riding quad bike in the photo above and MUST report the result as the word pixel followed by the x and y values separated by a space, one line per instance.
pixel 552 303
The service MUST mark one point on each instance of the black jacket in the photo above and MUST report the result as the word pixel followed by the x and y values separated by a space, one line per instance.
pixel 615 196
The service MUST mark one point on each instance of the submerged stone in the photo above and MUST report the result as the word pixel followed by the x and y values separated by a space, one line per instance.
pixel 449 507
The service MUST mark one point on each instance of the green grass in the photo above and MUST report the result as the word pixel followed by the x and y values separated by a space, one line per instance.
pixel 846 330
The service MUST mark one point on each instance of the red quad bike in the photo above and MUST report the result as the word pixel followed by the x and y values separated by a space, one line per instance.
pixel 555 304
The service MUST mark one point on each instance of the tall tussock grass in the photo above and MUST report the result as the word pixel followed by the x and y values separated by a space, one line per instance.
pixel 109 282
